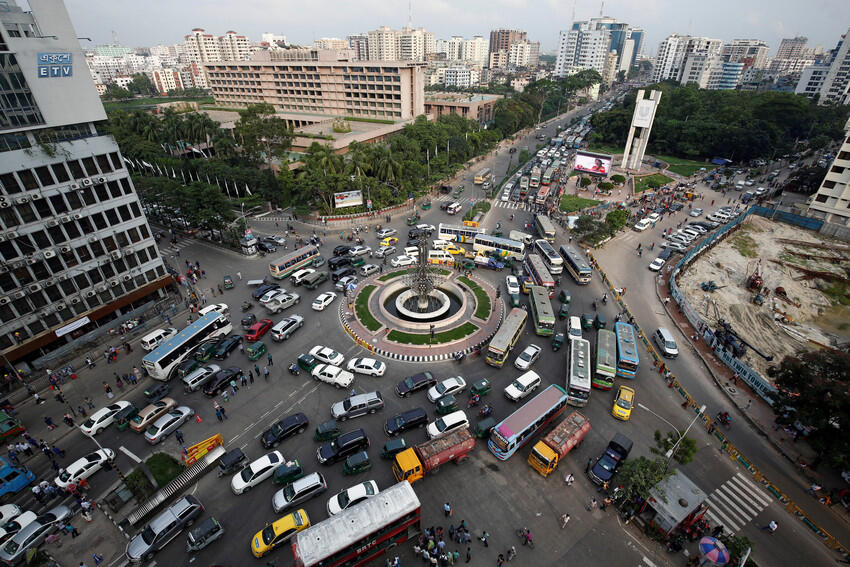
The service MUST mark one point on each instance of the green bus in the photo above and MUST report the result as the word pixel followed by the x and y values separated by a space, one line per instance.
pixel 606 360
pixel 541 311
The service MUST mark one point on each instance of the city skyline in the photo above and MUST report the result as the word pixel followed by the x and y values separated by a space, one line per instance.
pixel 762 19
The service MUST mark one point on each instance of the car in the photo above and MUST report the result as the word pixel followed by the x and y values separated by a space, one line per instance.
pixel 221 380
pixel 385 232
pixel 288 325
pixel 360 250
pixel 657 264
pixel 9 512
pixel 368 270
pixel 277 239
pixel 102 418
pixel 352 496
pixel 82 468
pixel 414 383
pixel 760 191
pixel 697 227
pixel 455 250
pixel 334 375
pixel 298 491
pixel 167 424
pixel 446 424
pixel 527 357
pixel 357 405
pixel 402 261
pixel 318 262
pixel 750 182
pixel 673 245
pixel 163 528
pixel 368 366
pixel 346 444
pixel 512 284
pixel 623 403
pixel 453 385
pixel 345 281
pixel 279 532
pixel 695 212
pixel 384 251
pixel 258 329
pixel 31 535
pixel 286 427
pixel 226 346
pixel 151 413
pixel 265 246
pixel 268 296
pixel 323 300
pixel 341 250
pixel 327 355
pixel 255 473
pixel 523 386
pixel 298 277
pixel 653 217
pixel 574 327
pixel 16 524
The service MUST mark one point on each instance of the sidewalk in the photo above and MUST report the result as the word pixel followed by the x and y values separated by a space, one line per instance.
pixel 99 536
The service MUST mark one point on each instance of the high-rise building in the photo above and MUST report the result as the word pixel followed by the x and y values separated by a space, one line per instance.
pixel 112 50
pixel 524 54
pixel 360 44
pixel 752 52
pixel 501 40
pixel 77 255
pixel 331 43
pixel 832 200
pixel 461 77
pixel 233 47
pixel 687 59
pixel 790 48
pixel 586 45
pixel 829 78
pixel 407 44
pixel 610 71
pixel 202 47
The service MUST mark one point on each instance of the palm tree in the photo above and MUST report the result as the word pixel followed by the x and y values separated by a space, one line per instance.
pixel 326 160
pixel 358 162
pixel 386 166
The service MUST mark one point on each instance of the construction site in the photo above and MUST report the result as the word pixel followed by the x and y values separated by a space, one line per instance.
pixel 770 289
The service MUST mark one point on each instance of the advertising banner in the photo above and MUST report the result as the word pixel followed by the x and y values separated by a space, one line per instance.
pixel 644 110
pixel 348 199
pixel 593 164
pixel 198 450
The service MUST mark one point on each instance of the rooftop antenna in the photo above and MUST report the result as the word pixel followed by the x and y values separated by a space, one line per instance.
pixel 574 10
pixel 602 9
pixel 114 37
pixel 410 13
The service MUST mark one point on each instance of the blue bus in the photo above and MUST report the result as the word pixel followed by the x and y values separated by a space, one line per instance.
pixel 518 428
pixel 161 361
pixel 628 360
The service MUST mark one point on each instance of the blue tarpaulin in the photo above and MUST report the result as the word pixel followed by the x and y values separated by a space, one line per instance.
pixel 721 161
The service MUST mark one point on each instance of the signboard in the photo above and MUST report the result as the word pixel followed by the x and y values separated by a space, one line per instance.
pixel 198 450
pixel 71 327
pixel 348 199
pixel 52 65
pixel 644 109
pixel 593 164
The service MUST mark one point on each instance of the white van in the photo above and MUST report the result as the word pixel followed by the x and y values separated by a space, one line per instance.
pixel 454 208
pixel 156 338
pixel 666 343
pixel 642 225
pixel 220 307
pixel 438 256
pixel 440 244
pixel 739 186
pixel 523 237
pixel 412 251
pixel 298 277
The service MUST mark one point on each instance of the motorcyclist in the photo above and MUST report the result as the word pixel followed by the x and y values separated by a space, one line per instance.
pixel 473 401
pixel 293 368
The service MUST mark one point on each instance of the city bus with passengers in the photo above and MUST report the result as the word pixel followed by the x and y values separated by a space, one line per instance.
pixel 576 264
pixel 578 373
pixel 498 246
pixel 536 269
pixel 523 186
pixel 518 428
pixel 541 311
pixel 294 261
pixel 606 360
pixel 360 533
pixel 628 360
pixel 163 359
pixel 454 233
pixel 482 176
pixel 554 262
pixel 545 228
pixel 506 337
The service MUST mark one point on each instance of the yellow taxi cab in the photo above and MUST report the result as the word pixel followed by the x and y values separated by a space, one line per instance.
pixel 279 532
pixel 389 241
pixel 452 249
pixel 623 403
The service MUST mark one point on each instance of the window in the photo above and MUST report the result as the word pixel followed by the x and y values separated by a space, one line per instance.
pixel 91 168
pixel 88 196
pixel 70 259
pixel 74 200
pixel 76 169
pixel 100 191
pixel 59 172
pixel 83 253
pixel 56 234
pixel 112 217
pixel 103 163
pixel 44 176
pixel 26 212
pixel 58 204
pixel 114 190
pixel 10 183
pixel 125 213
pixel 41 239
pixel 94 276
pixel 43 209
pixel 28 179
pixel 72 230
pixel 97 248
pixel 86 225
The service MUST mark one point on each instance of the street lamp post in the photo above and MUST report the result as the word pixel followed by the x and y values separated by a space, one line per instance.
pixel 672 450
pixel 110 459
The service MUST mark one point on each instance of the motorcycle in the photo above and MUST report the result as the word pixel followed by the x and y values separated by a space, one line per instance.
pixel 485 411
pixel 293 369
pixel 246 305
pixel 473 401
pixel 459 356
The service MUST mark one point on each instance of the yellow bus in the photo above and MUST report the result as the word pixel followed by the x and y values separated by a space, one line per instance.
pixel 506 337
pixel 482 176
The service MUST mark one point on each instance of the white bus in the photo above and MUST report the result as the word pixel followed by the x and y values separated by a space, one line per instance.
pixel 454 233
pixel 578 377
pixel 169 354
pixel 498 246
pixel 554 262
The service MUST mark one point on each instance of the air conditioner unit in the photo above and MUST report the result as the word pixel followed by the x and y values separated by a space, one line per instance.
pixel 91 293
pixel 18 265
pixel 101 288
pixel 114 283
pixel 18 295
pixel 49 253
pixel 34 287
pixel 31 261
pixel 66 219
pixel 115 255
pixel 2 198
pixel 22 200
pixel 65 249
pixel 4 269
pixel 75 300
pixel 36 196
pixel 78 216
pixel 62 277
pixel 126 277
pixel 52 222
pixel 92 239
pixel 49 282
pixel 2 238
pixel 5 204
pixel 86 182
pixel 128 251
pixel 101 179
pixel 75 186
pixel 11 234
pixel 4 300
pixel 60 306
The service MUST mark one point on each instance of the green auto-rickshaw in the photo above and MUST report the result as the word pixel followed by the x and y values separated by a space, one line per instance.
pixel 426 205
pixel 412 221
pixel 446 404
pixel 228 282
pixel 307 362
pixel 600 321
pixel 255 350
pixel 514 300
pixel 480 387
pixel 564 311
pixel 393 447
pixel 287 472
pixel 357 463
pixel 327 430
pixel 484 427
pixel 557 341
pixel 564 296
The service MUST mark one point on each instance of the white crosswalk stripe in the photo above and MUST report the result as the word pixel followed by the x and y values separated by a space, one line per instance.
pixel 646 561
pixel 736 502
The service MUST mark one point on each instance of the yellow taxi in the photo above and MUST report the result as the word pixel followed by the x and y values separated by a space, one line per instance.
pixel 623 403
pixel 389 241
pixel 279 532
pixel 452 249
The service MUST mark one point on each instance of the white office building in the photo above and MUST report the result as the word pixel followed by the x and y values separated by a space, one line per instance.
pixel 751 52
pixel 832 200
pixel 588 44
pixel 461 77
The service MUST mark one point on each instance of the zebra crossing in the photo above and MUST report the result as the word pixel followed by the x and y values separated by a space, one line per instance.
pixel 736 502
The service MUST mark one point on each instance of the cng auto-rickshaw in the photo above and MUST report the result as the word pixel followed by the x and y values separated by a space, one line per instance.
pixel 228 282
pixel 480 387
pixel 326 431
pixel 446 404
pixel 255 350
pixel 557 341
pixel 287 472
pixel 393 447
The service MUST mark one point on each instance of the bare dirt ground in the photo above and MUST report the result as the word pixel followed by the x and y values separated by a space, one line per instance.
pixel 813 316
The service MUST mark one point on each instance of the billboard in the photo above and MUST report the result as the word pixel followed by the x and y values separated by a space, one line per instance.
pixel 593 164
pixel 348 199
pixel 644 111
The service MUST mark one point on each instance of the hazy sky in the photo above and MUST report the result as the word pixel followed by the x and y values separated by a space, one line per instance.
pixel 150 22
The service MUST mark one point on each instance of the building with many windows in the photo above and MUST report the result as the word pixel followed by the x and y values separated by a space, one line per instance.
pixel 480 107
pixel 406 44
pixel 832 200
pixel 751 52
pixel 76 253
pixel 202 47
pixel 829 78
pixel 586 45
pixel 502 39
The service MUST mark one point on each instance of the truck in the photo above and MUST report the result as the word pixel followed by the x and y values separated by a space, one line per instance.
pixel 550 450
pixel 606 465
pixel 491 263
pixel 414 463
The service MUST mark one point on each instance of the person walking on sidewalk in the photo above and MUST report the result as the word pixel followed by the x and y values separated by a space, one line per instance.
pixel 179 436
pixel 271 361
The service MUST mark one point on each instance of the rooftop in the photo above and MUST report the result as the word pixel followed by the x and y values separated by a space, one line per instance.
pixel 460 97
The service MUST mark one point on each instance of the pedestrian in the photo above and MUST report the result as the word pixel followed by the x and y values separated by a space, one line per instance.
pixel 565 519
pixel 239 275
pixel 266 373
pixel 49 423
pixel 606 502
pixel 447 510
pixel 36 492
pixel 218 414
pixel 592 505
pixel 241 347
pixel 452 532
pixel 483 538
pixel 179 436
pixel 512 553
pixel 71 530
pixel 98 559
pixel 500 560
pixel 468 554
pixel 244 380
pixel 257 369
pixel 749 404
pixel 223 413
pixel 589 464
pixel 271 361
pixel 233 387
pixel 771 527
pixel 89 403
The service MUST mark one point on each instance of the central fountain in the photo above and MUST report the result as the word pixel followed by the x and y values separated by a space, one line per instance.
pixel 423 300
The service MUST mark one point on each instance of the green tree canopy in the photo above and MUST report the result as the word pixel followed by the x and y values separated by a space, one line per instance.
pixel 638 476
pixel 262 135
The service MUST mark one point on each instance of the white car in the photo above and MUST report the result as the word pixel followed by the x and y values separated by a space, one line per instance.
pixel 256 472
pixel 352 496
pixel 16 524
pixel 9 512
pixel 385 232
pixel 522 386
pixel 653 217
pixel 402 261
pixel 657 264
pixel 83 467
pixel 512 284
pixel 384 251
pixel 269 295
pixel 449 423
pixel 695 213
pixel 333 375
pixel 323 300
pixel 343 282
pixel 368 366
pixel 327 355
pixel 453 385
pixel 760 191
pixel 102 418
pixel 426 227
pixel 672 244
pixel 527 357
pixel 283 330
pixel 360 250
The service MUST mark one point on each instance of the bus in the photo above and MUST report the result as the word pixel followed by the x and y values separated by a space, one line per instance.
pixel 542 195
pixel 361 533
pixel 535 178
pixel 482 176
pixel 535 268
pixel 294 261
pixel 523 186
pixel 545 228
pixel 577 266
pixel 506 337
pixel 578 377
pixel 459 233
pixel 556 165
pixel 547 175
pixel 498 246
pixel 606 360
pixel 541 311
pixel 554 263
pixel 163 359
pixel 570 140
pixel 628 360
pixel 518 428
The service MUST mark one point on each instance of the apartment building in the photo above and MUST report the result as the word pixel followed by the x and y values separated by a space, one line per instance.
pixel 832 200
pixel 687 59
pixel 524 54
pixel 360 44
pixel 330 43
pixel 502 39
pixel 461 77
pixel 202 47
pixel 586 45
pixel 829 78
pixel 406 44
pixel 751 52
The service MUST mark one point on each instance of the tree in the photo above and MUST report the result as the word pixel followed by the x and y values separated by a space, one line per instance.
pixel 618 179
pixel 813 388
pixel 638 476
pixel 262 134
pixel 685 450
pixel 617 219
pixel 115 92
pixel 584 181
pixel 737 546
pixel 142 85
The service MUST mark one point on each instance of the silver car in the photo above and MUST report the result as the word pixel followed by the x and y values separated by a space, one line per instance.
pixel 167 424
pixel 32 535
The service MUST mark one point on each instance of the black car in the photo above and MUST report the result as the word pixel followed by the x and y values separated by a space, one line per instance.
pixel 263 289
pixel 415 233
pixel 415 383
pixel 413 242
pixel 343 446
pixel 342 250
pixel 226 345
pixel 221 380
pixel 338 262
pixel 343 272
pixel 445 205
pixel 409 419
pixel 288 426
pixel 157 392
pixel 266 246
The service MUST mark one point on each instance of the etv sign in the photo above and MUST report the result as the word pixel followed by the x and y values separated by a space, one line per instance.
pixel 52 65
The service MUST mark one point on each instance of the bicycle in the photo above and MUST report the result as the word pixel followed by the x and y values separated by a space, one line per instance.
pixel 521 533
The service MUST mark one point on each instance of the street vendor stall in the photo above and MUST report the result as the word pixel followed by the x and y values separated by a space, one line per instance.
pixel 676 504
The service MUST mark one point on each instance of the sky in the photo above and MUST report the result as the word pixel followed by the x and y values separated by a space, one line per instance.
pixel 152 22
